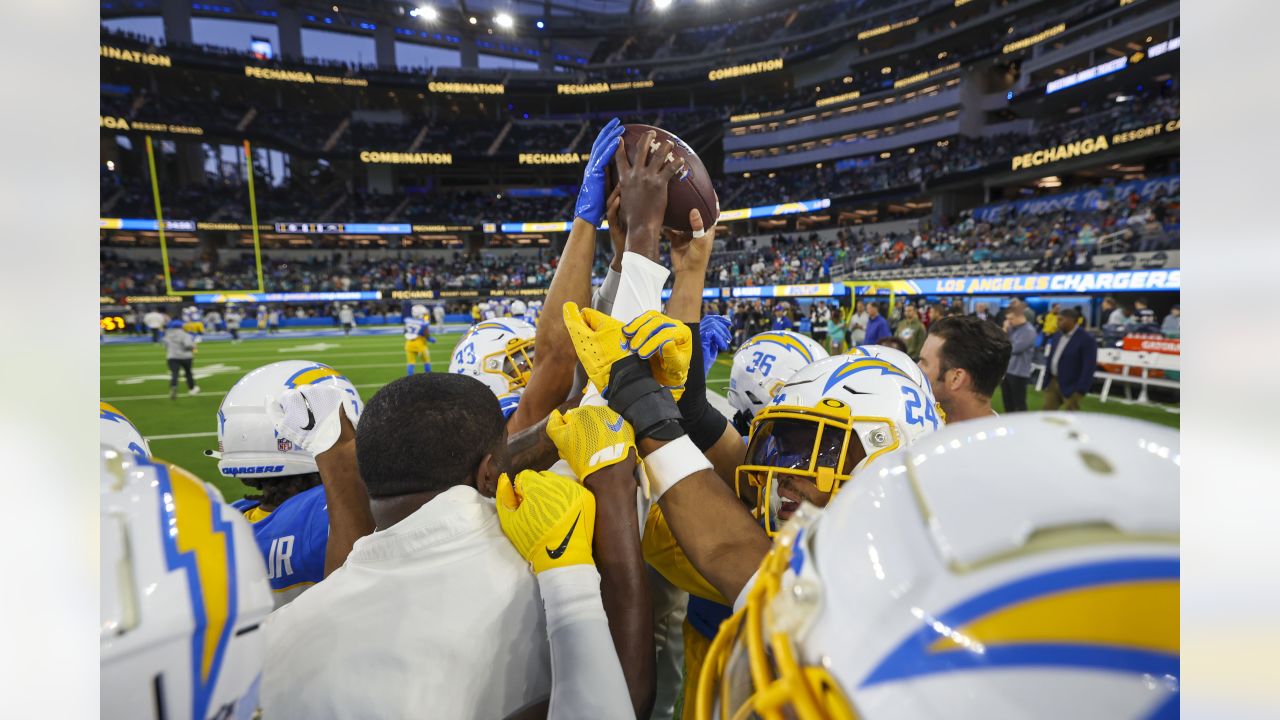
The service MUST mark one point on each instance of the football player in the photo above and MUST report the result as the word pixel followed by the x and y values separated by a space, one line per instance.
pixel 762 365
pixel 184 595
pixel 291 513
pixel 262 318
pixel 519 310
pixel 500 354
pixel 949 582
pixel 115 431
pixel 417 333
pixel 191 321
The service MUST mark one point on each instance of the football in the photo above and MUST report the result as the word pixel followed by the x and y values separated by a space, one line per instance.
pixel 692 190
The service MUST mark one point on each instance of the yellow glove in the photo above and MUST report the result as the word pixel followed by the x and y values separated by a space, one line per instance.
pixel 597 339
pixel 548 518
pixel 666 343
pixel 590 438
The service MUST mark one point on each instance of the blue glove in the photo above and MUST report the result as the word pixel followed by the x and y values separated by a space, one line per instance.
pixel 592 200
pixel 716 335
pixel 431 340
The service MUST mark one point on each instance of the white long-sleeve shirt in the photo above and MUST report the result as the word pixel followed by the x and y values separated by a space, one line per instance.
pixel 437 616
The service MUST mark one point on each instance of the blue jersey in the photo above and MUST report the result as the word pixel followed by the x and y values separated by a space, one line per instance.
pixel 292 539
pixel 415 328
pixel 782 322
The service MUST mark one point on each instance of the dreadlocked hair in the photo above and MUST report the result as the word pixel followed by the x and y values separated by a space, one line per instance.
pixel 273 491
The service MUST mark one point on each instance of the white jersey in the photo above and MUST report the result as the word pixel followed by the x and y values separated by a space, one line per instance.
pixel 191 314
pixel 437 614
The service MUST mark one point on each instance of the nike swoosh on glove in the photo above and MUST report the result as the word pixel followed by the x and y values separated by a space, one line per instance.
pixel 590 438
pixel 548 518
pixel 308 415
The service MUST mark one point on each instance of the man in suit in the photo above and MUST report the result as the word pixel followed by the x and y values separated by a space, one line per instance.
pixel 1073 356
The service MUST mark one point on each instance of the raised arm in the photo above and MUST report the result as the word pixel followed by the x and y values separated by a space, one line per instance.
pixel 550 520
pixel 552 376
pixel 599 447
pixel 715 530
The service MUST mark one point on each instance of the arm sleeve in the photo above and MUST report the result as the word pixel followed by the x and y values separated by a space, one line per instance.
pixel 639 288
pixel 586 676
pixel 602 300
pixel 701 422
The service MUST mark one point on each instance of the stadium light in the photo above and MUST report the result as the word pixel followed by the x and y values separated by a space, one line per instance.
pixel 503 20
pixel 661 4
pixel 540 25
pixel 426 12
pixel 472 19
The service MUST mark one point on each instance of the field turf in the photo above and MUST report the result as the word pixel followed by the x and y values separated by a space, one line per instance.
pixel 135 379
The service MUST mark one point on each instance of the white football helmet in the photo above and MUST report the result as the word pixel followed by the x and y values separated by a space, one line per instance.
pixel 1006 567
pixel 184 592
pixel 248 444
pixel 828 421
pixel 418 311
pixel 498 353
pixel 116 432
pixel 518 308
pixel 764 363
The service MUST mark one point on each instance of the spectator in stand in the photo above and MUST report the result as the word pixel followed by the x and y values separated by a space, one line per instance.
pixel 965 358
pixel 980 312
pixel 858 324
pixel 821 317
pixel 1022 342
pixel 835 334
pixel 911 332
pixel 782 318
pixel 1143 314
pixel 1172 325
pixel 1073 357
pixel 877 326
pixel 1049 325
pixel 1120 316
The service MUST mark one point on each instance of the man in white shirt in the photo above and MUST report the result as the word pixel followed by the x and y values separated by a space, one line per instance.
pixel 858 324
pixel 434 614
pixel 154 321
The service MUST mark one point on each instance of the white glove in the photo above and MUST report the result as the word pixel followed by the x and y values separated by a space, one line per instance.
pixel 309 416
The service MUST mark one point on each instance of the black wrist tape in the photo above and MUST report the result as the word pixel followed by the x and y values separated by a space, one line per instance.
pixel 637 397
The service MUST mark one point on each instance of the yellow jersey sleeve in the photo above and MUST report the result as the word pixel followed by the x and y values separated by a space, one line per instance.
pixel 663 553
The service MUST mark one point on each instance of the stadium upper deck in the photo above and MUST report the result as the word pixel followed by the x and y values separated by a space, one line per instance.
pixel 929 108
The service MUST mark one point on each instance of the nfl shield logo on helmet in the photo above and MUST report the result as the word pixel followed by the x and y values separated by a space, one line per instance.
pixel 284 444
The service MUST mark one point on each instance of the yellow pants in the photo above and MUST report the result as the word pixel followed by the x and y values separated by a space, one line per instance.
pixel 695 653
pixel 414 349
pixel 193 327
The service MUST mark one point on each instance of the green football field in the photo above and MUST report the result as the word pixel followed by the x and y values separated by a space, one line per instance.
pixel 135 379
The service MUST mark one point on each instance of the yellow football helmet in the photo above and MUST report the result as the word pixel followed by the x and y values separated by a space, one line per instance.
pixel 830 419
